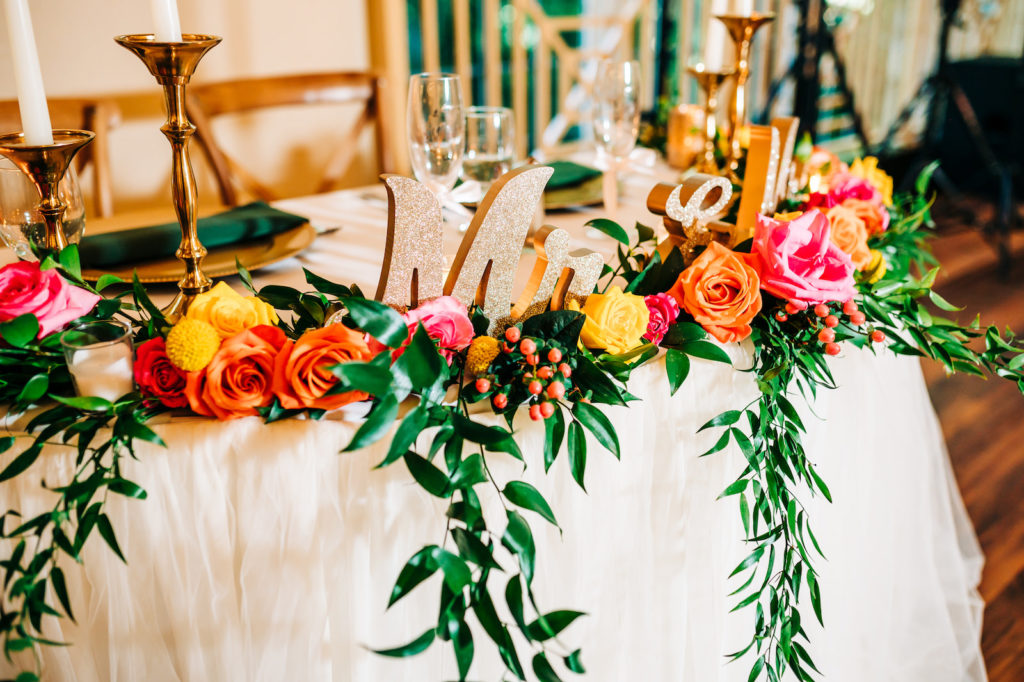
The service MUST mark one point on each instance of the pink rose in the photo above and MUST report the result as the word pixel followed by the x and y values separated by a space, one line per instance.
pixel 797 260
pixel 446 321
pixel 24 288
pixel 664 310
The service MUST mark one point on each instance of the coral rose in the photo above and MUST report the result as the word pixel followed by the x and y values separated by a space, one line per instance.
pixel 849 234
pixel 229 312
pixel 26 289
pixel 157 376
pixel 302 371
pixel 664 310
pixel 875 216
pixel 615 321
pixel 447 322
pixel 797 260
pixel 721 290
pixel 239 378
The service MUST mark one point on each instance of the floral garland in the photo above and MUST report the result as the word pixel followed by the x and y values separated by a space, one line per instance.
pixel 846 263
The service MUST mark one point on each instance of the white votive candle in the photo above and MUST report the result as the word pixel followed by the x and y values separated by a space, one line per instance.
pixel 35 115
pixel 104 372
pixel 716 38
pixel 165 16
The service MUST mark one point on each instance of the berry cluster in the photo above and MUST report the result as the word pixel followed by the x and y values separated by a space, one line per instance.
pixel 825 320
pixel 527 370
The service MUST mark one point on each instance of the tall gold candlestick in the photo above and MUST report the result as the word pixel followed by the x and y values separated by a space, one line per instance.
pixel 709 82
pixel 741 29
pixel 173 65
pixel 45 165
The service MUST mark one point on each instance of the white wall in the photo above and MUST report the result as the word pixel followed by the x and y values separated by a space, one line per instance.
pixel 261 37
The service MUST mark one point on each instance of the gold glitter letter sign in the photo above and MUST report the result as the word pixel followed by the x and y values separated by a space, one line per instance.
pixel 413 255
pixel 557 274
pixel 485 267
pixel 686 211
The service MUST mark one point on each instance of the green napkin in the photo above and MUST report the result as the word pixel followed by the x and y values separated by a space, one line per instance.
pixel 240 224
pixel 570 174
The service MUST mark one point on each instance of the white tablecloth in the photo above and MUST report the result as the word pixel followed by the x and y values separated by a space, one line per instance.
pixel 263 554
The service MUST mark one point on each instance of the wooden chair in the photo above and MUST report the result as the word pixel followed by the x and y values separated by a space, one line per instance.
pixel 208 101
pixel 98 115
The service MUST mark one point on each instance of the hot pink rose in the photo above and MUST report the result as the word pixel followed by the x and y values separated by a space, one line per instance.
pixel 843 186
pixel 797 260
pixel 664 310
pixel 24 288
pixel 446 321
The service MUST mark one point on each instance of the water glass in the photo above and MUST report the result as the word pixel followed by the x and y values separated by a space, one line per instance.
pixel 490 146
pixel 436 129
pixel 21 223
pixel 99 357
pixel 617 107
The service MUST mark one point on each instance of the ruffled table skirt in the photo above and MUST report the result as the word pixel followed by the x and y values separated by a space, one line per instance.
pixel 262 554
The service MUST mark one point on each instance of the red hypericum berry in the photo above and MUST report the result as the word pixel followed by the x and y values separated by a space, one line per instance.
pixel 826 335
pixel 781 316
pixel 857 318
pixel 831 321
pixel 483 385
pixel 512 334
pixel 554 355
pixel 544 373
pixel 535 412
pixel 821 310
pixel 507 348
pixel 547 409
pixel 832 348
pixel 793 307
pixel 527 347
pixel 535 387
pixel 850 307
pixel 500 401
pixel 878 336
pixel 565 370
pixel 556 389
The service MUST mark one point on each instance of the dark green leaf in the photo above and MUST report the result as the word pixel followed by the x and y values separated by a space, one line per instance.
pixel 574 663
pixel 406 434
pixel 20 331
pixel 552 624
pixel 543 670
pixel 86 403
pixel 416 646
pixel 326 286
pixel 419 567
pixel 677 366
pixel 524 495
pixel 377 424
pixel 430 478
pixel 598 424
pixel 378 320
pixel 34 389
pixel 472 549
pixel 368 377
pixel 61 589
pixel 725 419
pixel 123 486
pixel 22 462
pixel 70 261
pixel 518 539
pixel 706 350
pixel 554 432
pixel 107 532
pixel 577 453
pixel 610 228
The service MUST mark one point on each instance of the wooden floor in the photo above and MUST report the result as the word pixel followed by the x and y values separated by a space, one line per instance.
pixel 983 422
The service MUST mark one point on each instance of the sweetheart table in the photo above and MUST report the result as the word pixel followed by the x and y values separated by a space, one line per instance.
pixel 264 555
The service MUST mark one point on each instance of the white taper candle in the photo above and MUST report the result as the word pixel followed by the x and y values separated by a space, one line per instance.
pixel 35 115
pixel 716 38
pixel 165 14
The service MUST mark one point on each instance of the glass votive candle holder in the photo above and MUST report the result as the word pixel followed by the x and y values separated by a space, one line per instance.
pixel 99 357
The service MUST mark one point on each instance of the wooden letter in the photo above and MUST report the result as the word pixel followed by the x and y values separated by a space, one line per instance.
pixel 413 254
pixel 557 274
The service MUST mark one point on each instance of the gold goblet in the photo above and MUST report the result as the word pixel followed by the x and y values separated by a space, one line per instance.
pixel 45 165
pixel 741 29
pixel 709 82
pixel 173 65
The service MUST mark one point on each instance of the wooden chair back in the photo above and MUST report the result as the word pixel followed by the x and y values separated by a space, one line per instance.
pixel 208 101
pixel 101 116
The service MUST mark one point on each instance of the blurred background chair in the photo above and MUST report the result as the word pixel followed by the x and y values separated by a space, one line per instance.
pixel 98 115
pixel 207 102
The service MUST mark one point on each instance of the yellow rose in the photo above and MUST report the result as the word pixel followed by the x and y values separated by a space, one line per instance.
pixel 616 321
pixel 788 217
pixel 876 269
pixel 229 312
pixel 867 169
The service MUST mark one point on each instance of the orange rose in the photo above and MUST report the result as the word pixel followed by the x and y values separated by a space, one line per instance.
pixel 302 372
pixel 722 292
pixel 850 234
pixel 875 217
pixel 238 378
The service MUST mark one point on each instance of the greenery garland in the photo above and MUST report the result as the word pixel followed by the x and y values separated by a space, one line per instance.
pixel 540 363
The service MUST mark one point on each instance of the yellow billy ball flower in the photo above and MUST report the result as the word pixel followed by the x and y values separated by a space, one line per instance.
pixel 191 344
pixel 876 269
pixel 482 352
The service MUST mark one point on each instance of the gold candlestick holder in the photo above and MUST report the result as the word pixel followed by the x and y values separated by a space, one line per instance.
pixel 710 82
pixel 741 29
pixel 45 165
pixel 173 65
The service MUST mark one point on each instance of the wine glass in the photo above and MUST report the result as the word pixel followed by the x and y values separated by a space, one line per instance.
pixel 617 107
pixel 21 223
pixel 490 150
pixel 436 130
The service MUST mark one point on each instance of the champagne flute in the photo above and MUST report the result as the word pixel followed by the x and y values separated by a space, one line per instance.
pixel 490 150
pixel 616 119
pixel 436 129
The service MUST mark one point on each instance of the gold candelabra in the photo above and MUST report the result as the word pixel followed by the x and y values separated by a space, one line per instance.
pixel 710 82
pixel 741 29
pixel 173 65
pixel 45 165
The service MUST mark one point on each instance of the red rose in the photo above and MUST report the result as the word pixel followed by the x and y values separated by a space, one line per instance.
pixel 157 376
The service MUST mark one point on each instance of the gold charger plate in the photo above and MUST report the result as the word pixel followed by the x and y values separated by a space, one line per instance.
pixel 219 262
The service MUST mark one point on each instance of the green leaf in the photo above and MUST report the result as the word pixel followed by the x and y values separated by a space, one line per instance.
pixel 26 677
pixel 727 418
pixel 598 424
pixel 543 670
pixel 22 462
pixel 456 573
pixel 420 367
pixel 70 261
pixel 924 178
pixel 86 403
pixel 554 432
pixel 552 624
pixel 574 663
pixel 140 431
pixel 107 280
pixel 20 331
pixel 577 453
pixel 60 587
pixel 514 600
pixel 589 376
pixel 518 539
pixel 756 670
pixel 430 478
pixel 377 424
pixel 524 495
pixel 493 438
pixel 378 320
pixel 469 472
pixel 472 549
pixel 107 532
pixel 677 366
pixel 420 566
pixel 706 350
pixel 408 431
pixel 326 286
pixel 34 389
pixel 942 303
pixel 644 233
pixel 416 646
pixel 821 484
pixel 562 326
pixel 610 228
pixel 123 486
pixel 368 377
